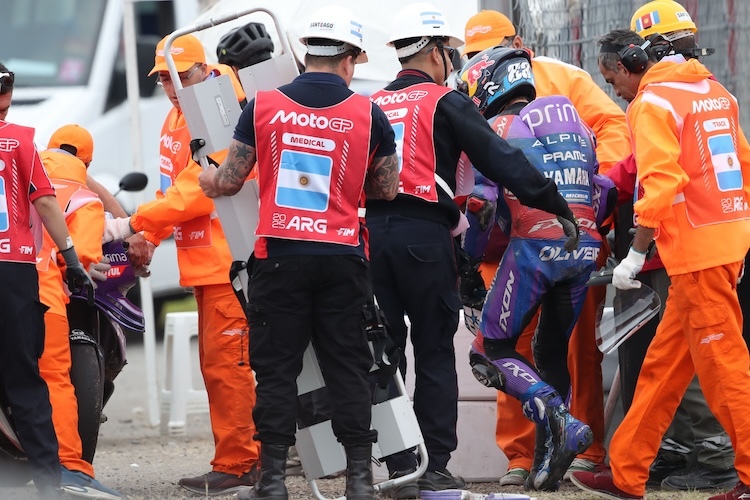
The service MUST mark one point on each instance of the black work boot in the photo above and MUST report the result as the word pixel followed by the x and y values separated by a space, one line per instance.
pixel 359 473
pixel 271 485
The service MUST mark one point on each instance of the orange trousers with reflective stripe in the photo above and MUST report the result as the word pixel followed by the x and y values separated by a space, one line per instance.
pixel 54 367
pixel 514 433
pixel 230 384
pixel 700 333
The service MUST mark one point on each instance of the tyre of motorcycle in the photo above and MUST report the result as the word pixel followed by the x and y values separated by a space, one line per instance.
pixel 87 376
pixel 86 373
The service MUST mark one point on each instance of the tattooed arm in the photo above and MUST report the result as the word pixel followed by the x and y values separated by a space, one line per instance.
pixel 228 179
pixel 382 178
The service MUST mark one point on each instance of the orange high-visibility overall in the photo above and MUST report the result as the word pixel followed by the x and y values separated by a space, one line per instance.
pixel 204 258
pixel 85 221
pixel 694 165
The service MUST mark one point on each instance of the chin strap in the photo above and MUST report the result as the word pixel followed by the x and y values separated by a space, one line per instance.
pixel 440 46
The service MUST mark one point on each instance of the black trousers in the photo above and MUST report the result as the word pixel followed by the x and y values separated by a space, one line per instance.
pixel 21 345
pixel 633 351
pixel 292 301
pixel 414 273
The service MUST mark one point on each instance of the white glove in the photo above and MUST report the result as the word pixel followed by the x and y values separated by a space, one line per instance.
pixel 742 274
pixel 622 276
pixel 98 270
pixel 117 229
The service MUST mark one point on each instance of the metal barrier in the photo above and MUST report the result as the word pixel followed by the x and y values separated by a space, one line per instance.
pixel 568 30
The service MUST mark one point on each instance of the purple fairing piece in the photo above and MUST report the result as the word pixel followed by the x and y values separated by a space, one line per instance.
pixel 109 296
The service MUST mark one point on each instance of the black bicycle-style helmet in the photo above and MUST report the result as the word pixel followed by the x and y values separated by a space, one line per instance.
pixel 245 46
pixel 492 77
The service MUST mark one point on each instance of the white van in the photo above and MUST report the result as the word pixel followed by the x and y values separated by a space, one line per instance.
pixel 69 63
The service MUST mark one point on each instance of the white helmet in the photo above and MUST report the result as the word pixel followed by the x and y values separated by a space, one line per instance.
pixel 333 22
pixel 421 20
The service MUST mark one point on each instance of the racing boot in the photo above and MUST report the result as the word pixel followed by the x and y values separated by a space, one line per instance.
pixel 359 473
pixel 271 485
pixel 569 435
pixel 542 455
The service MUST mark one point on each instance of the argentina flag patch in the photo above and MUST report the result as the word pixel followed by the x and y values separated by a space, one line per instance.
pixel 304 181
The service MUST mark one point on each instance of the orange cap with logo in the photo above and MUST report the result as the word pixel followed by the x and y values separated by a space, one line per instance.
pixel 76 136
pixel 186 50
pixel 486 29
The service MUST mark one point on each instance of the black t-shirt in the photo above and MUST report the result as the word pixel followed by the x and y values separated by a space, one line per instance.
pixel 318 90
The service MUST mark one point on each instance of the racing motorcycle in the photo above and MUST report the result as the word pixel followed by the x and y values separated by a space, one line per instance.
pixel 97 344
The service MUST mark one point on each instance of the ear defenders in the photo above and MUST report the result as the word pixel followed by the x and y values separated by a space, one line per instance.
pixel 634 57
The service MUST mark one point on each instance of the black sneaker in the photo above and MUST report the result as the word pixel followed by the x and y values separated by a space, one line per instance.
pixel 667 464
pixel 216 483
pixel 701 478
pixel 438 480
pixel 404 491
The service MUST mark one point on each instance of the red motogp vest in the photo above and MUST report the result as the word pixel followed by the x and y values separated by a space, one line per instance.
pixel 174 156
pixel 411 112
pixel 18 158
pixel 312 164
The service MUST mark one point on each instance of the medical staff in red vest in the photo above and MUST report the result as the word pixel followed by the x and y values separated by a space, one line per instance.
pixel 320 148
pixel 413 256
pixel 24 183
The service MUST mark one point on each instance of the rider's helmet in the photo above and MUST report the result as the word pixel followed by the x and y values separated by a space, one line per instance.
pixel 245 46
pixel 419 23
pixel 334 30
pixel 662 16
pixel 492 77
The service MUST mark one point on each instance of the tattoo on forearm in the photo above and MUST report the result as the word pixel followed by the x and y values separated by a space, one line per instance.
pixel 382 178
pixel 235 169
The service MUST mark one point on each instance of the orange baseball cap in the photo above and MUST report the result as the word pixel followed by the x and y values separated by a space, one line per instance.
pixel 76 136
pixel 186 50
pixel 486 29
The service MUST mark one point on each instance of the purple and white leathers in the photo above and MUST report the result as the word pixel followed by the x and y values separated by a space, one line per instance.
pixel 538 270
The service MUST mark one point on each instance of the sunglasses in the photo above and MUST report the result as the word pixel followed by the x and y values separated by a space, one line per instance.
pixel 6 82
pixel 166 80
pixel 450 50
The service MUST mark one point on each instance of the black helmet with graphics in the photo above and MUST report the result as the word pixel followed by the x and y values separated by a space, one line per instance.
pixel 495 75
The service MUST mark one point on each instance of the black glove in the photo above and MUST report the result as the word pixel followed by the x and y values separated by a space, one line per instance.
pixel 76 275
pixel 570 228
pixel 472 288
